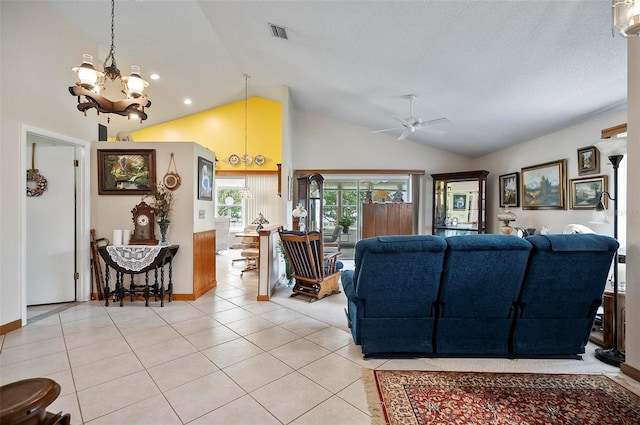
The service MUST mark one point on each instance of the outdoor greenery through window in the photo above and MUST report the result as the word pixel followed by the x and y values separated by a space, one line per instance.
pixel 228 201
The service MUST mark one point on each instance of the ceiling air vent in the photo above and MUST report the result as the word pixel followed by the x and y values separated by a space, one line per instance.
pixel 279 32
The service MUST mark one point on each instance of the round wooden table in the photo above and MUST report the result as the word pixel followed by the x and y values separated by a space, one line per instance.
pixel 25 402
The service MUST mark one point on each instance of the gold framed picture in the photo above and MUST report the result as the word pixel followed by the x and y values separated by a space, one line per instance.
pixel 544 186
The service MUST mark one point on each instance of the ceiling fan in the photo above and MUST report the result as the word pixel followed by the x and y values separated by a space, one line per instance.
pixel 412 123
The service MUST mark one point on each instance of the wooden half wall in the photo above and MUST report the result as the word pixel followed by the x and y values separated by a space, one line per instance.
pixel 204 262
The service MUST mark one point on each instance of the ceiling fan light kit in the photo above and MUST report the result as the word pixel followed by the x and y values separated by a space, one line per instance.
pixel 413 123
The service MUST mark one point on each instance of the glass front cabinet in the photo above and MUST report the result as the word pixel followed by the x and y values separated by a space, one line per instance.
pixel 310 197
pixel 459 203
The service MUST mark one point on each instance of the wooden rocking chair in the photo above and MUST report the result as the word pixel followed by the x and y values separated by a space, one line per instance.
pixel 316 275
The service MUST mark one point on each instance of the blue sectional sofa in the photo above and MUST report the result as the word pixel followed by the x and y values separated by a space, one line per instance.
pixel 477 295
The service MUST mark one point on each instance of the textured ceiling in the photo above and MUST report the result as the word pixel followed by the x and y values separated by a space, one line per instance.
pixel 503 71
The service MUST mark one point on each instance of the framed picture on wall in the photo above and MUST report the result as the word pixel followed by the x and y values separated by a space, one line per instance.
pixel 126 171
pixel 459 202
pixel 509 186
pixel 205 179
pixel 544 186
pixel 586 192
pixel 588 160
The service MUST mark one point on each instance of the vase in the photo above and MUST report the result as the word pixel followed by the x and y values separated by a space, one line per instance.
pixel 164 226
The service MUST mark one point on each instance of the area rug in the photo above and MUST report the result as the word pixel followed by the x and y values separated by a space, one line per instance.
pixel 420 397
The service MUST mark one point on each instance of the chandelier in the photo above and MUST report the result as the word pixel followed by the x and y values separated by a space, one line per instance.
pixel 91 83
pixel 626 17
pixel 245 192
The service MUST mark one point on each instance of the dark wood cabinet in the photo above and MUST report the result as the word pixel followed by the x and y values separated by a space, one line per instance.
pixel 387 219
pixel 459 202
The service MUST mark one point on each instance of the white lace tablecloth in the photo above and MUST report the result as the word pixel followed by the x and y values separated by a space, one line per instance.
pixel 134 258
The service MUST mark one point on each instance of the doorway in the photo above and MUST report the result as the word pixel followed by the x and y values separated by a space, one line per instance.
pixel 55 234
pixel 51 223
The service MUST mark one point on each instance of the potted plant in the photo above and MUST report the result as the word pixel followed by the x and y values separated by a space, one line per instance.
pixel 345 222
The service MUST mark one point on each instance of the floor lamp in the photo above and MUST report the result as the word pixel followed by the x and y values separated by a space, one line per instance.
pixel 614 148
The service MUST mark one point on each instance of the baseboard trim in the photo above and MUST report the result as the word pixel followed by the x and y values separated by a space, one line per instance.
pixel 630 371
pixel 263 297
pixel 11 326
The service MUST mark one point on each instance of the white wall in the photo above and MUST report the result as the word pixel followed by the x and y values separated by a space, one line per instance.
pixel 111 212
pixel 560 145
pixel 33 92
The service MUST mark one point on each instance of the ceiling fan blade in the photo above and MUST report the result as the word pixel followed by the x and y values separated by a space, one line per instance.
pixel 404 135
pixel 406 122
pixel 436 121
pixel 388 129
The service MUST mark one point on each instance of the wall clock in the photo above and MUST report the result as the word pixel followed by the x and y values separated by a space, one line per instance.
pixel 144 225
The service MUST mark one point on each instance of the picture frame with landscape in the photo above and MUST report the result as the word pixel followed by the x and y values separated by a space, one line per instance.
pixel 509 186
pixel 544 186
pixel 586 192
pixel 588 160
pixel 126 171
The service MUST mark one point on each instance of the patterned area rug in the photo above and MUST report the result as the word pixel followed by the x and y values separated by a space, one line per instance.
pixel 419 397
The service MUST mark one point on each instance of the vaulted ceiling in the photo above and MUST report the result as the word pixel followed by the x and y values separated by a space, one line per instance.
pixel 503 72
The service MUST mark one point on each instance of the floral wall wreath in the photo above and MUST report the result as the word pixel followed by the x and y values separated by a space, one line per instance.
pixel 36 183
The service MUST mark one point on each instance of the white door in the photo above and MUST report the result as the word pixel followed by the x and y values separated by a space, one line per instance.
pixel 51 228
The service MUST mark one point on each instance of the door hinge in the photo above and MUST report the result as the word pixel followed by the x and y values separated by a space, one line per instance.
pixel 76 163
pixel 76 276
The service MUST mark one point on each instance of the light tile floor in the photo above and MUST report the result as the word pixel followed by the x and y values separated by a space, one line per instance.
pixel 222 359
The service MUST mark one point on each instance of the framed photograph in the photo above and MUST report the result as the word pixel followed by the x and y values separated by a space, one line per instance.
pixel 205 179
pixel 459 202
pixel 509 185
pixel 126 171
pixel 544 186
pixel 585 192
pixel 588 161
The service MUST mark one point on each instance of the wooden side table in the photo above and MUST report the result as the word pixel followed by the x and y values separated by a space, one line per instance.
pixel 607 322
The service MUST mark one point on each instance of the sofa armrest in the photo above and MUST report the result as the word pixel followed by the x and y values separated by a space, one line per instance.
pixel 348 284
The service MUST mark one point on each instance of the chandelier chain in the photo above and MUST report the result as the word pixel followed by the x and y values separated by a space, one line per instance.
pixel 112 70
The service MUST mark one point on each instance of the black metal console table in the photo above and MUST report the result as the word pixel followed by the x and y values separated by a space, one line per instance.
pixel 138 259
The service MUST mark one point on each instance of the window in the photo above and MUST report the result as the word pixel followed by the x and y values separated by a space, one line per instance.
pixel 343 196
pixel 228 202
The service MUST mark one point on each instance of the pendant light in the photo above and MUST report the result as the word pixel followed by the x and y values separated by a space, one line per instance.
pixel 245 192
pixel 91 82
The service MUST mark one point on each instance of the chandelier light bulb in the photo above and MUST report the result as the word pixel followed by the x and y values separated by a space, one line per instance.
pixel 87 73
pixel 134 83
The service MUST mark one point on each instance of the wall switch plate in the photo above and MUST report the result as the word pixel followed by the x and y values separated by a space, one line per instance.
pixel 201 214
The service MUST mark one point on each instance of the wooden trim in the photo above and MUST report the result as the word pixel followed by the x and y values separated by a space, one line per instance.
pixel 183 297
pixel 248 172
pixel 607 133
pixel 204 262
pixel 279 179
pixel 630 371
pixel 365 171
pixel 11 326
pixel 263 297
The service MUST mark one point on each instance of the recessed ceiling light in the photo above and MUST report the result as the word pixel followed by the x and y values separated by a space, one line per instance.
pixel 187 102
pixel 154 76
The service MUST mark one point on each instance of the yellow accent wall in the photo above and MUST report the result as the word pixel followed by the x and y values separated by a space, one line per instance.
pixel 222 130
